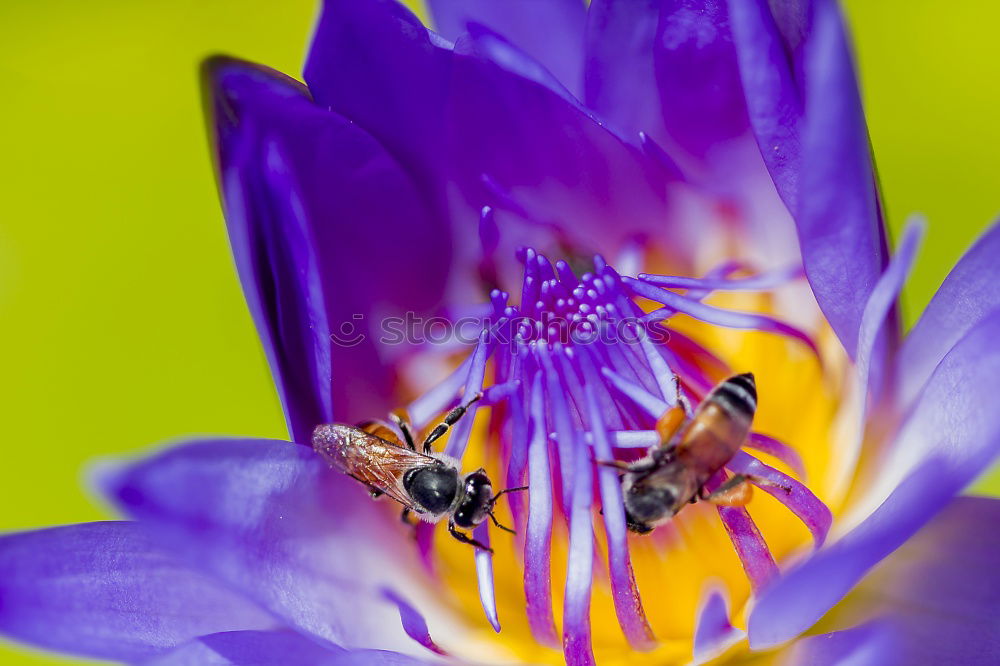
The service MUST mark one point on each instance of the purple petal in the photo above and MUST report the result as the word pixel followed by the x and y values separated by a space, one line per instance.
pixel 879 305
pixel 805 110
pixel 497 49
pixel 243 648
pixel 970 291
pixel 800 501
pixel 265 516
pixel 773 96
pixel 875 329
pixel 949 438
pixel 628 605
pixel 619 80
pixel 108 590
pixel 872 643
pixel 695 62
pixel 840 227
pixel 375 63
pixel 250 647
pixel 462 117
pixel 550 31
pixel 309 199
pixel 509 134
pixel 713 633
pixel 270 238
pixel 939 590
pixel 670 169
pixel 413 622
pixel 538 540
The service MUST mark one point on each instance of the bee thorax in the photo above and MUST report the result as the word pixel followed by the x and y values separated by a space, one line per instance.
pixel 432 488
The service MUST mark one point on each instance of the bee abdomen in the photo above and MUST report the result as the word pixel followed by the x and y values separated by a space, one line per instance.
pixel 738 394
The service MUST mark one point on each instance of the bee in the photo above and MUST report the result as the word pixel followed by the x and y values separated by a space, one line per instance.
pixel 427 484
pixel 692 450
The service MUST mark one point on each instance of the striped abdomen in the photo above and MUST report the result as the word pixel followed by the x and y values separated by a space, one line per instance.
pixel 719 426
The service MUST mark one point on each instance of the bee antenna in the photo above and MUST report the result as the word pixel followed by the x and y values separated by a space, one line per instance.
pixel 497 523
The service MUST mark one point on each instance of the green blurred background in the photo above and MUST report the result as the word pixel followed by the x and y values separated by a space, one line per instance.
pixel 123 322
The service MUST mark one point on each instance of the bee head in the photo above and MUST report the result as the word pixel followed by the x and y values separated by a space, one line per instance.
pixel 433 487
pixel 636 526
pixel 476 501
pixel 648 505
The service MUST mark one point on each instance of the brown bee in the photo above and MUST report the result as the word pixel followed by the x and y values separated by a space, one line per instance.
pixel 428 484
pixel 674 473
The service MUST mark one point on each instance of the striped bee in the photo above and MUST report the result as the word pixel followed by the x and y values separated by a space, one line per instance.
pixel 692 450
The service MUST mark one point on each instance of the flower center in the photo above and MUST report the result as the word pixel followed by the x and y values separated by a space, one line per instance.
pixel 576 376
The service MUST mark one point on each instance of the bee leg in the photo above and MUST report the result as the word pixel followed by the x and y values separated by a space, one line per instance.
pixel 465 538
pixel 657 458
pixel 412 524
pixel 761 481
pixel 735 491
pixel 670 423
pixel 685 404
pixel 372 490
pixel 449 420
pixel 681 400
pixel 617 464
pixel 404 427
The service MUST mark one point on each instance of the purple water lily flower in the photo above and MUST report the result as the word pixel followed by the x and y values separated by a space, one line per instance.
pixel 605 210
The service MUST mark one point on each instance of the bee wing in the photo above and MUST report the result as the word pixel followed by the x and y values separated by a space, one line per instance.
pixel 382 464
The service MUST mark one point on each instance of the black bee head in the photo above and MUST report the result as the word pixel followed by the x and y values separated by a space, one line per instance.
pixel 476 502
pixel 646 505
pixel 433 488
pixel 636 526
